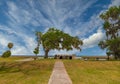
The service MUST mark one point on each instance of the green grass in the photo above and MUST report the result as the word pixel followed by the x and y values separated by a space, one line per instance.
pixel 32 72
pixel 93 72
pixel 10 59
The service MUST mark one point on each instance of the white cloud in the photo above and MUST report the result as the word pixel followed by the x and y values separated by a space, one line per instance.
pixel 94 39
pixel 68 30
pixel 57 15
pixel 27 49
pixel 7 29
pixel 115 3
pixel 52 13
pixel 20 50
pixel 30 43
pixel 3 41
pixel 16 38
pixel 13 12
pixel 88 27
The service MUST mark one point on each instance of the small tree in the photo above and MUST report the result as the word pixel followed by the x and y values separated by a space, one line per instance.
pixel 36 51
pixel 38 38
pixel 6 54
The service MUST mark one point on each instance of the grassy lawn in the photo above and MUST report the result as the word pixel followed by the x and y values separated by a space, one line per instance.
pixel 10 59
pixel 93 72
pixel 32 72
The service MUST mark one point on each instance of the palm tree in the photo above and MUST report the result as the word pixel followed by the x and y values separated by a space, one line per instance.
pixel 102 44
pixel 8 52
pixel 38 35
pixel 111 18
pixel 10 45
pixel 112 27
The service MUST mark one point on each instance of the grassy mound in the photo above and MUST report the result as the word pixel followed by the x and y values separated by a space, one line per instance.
pixel 31 72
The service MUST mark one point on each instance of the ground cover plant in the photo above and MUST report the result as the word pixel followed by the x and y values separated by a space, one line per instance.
pixel 93 72
pixel 31 72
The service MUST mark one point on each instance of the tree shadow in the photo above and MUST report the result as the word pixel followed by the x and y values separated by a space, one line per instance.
pixel 14 67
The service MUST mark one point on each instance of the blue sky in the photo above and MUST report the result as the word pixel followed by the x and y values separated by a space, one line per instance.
pixel 19 19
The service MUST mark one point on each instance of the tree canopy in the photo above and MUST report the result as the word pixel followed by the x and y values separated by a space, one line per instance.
pixel 112 28
pixel 36 51
pixel 10 45
pixel 53 38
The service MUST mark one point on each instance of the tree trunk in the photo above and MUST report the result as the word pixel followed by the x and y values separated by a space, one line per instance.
pixel 35 57
pixel 108 58
pixel 46 54
pixel 115 57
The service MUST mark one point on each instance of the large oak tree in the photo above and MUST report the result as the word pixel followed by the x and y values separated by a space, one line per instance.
pixel 53 38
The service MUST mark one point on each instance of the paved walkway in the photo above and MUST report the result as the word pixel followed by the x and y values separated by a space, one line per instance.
pixel 59 74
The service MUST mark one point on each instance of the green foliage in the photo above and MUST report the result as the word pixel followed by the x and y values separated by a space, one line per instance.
pixel 112 27
pixel 102 44
pixel 112 13
pixel 6 54
pixel 10 45
pixel 53 38
pixel 111 22
pixel 114 47
pixel 36 50
pixel 38 35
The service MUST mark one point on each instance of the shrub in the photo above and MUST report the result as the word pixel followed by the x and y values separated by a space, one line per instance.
pixel 6 54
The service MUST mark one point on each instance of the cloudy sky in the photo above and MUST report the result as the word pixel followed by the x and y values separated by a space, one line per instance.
pixel 19 19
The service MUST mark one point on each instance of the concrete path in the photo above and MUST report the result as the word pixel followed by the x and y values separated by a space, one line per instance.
pixel 59 74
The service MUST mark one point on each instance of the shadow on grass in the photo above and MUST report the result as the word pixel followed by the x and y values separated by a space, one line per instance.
pixel 14 67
